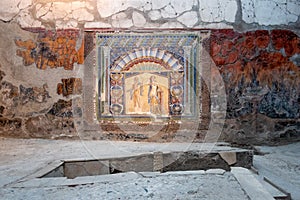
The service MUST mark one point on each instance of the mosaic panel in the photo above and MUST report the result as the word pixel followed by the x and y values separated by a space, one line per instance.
pixel 146 75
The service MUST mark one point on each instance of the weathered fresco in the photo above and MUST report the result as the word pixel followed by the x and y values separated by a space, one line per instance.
pixel 28 109
pixel 51 49
pixel 261 73
pixel 69 86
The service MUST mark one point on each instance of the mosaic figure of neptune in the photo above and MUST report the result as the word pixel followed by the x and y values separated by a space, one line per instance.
pixel 154 96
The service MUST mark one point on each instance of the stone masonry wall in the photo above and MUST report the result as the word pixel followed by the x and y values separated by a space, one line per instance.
pixel 254 44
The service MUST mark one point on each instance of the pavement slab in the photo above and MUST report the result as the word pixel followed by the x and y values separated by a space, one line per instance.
pixel 23 161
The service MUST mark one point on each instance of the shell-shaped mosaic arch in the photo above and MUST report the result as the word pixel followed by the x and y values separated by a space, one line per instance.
pixel 151 55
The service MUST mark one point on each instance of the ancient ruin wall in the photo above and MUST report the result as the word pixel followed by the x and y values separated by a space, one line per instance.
pixel 254 44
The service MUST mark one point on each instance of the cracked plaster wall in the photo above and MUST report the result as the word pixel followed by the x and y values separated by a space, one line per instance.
pixel 37 87
pixel 151 13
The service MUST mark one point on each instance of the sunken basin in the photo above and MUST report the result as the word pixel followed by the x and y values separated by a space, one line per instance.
pixel 151 162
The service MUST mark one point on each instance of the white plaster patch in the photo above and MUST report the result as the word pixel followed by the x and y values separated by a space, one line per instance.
pixel 230 10
pixel 182 6
pixel 42 10
pixel 138 19
pixel 65 14
pixel 172 25
pixel 218 25
pixel 119 16
pixel 24 4
pixel 9 9
pixel 121 21
pixel 77 5
pixel 294 7
pixel 107 8
pixel 38 6
pixel 158 4
pixel 89 5
pixel 152 25
pixel 154 14
pixel 189 19
pixel 25 20
pixel 97 25
pixel 147 6
pixel 61 10
pixel 248 13
pixel 66 24
pixel 218 10
pixel 168 12
pixel 82 15
pixel 56 10
pixel 270 12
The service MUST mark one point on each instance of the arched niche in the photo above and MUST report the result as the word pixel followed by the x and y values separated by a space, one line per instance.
pixel 127 65
pixel 146 82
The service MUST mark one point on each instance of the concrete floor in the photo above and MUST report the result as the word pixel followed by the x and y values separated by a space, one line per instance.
pixel 20 160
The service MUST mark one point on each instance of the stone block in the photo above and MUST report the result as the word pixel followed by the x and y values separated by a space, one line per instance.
pixel 229 157
pixel 142 163
pixel 168 12
pixel 215 171
pixel 250 184
pixel 189 19
pixel 270 12
pixel 138 19
pixel 183 173
pixel 121 20
pixel 154 14
pixel 26 20
pixel 157 4
pixel 82 14
pixel 217 11
pixel 182 6
pixel 193 161
pixel 90 168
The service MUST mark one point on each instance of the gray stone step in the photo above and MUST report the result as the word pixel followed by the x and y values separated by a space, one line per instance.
pixel 258 186
pixel 274 190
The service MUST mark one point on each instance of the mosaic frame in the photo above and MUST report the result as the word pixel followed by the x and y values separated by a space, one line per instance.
pixel 128 60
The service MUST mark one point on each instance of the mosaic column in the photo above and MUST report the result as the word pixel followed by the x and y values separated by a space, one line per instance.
pixel 105 82
pixel 187 86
